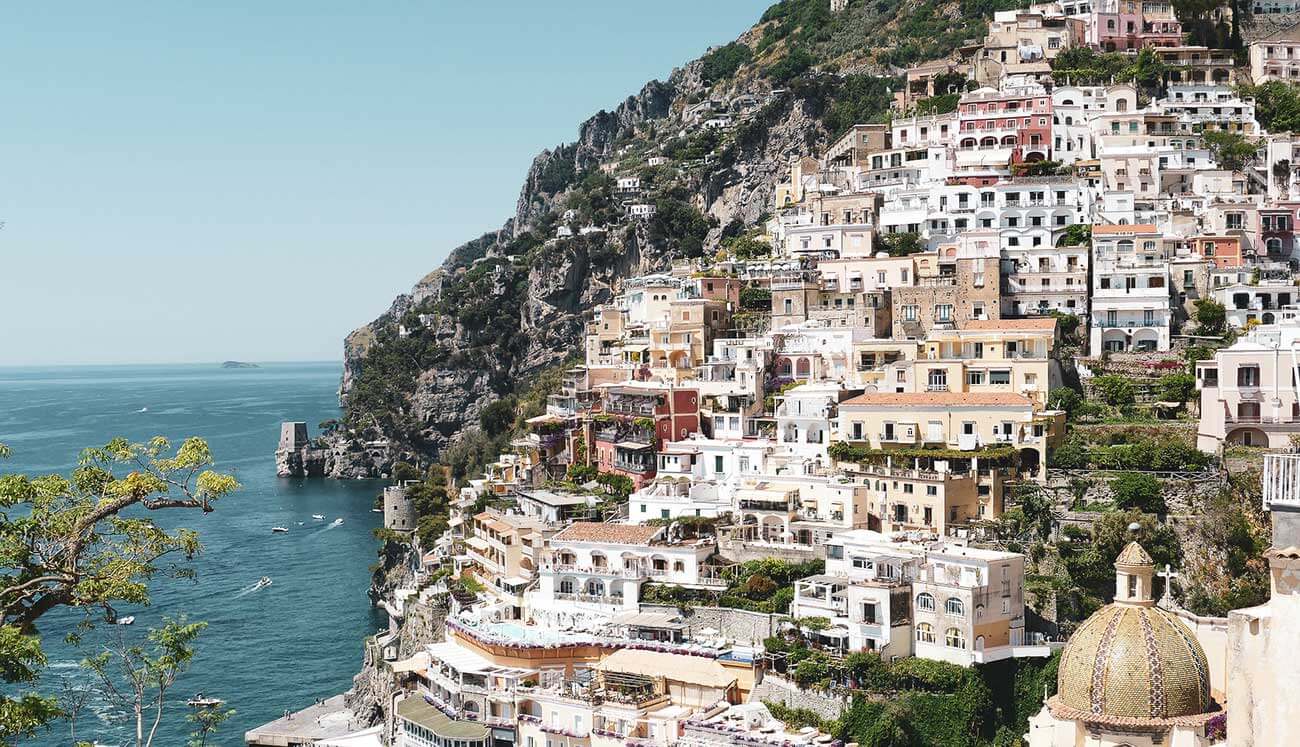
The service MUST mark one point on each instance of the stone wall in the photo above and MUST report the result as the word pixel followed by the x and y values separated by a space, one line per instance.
pixel 736 551
pixel 742 626
pixel 1182 490
pixel 776 689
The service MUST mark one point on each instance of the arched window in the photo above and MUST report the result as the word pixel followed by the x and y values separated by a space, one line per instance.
pixel 925 633
pixel 955 638
pixel 595 587
pixel 925 601
pixel 567 586
pixel 954 607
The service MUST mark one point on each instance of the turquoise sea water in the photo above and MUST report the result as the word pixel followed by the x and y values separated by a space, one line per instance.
pixel 266 650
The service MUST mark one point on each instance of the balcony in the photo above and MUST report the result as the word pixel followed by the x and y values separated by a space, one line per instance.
pixel 752 504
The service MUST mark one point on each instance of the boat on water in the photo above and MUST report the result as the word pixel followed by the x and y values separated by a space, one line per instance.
pixel 318 517
pixel 336 522
pixel 262 583
pixel 128 620
pixel 279 530
pixel 201 701
pixel 143 409
pixel 376 510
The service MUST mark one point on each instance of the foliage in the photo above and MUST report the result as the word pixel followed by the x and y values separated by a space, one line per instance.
pixel 1211 317
pixel 1077 234
pixel 795 63
pixel 1139 491
pixel 206 722
pixel 1226 547
pixel 901 244
pixel 1039 168
pixel 766 585
pixel 69 542
pixel 138 679
pixel 1083 65
pixel 858 99
pixel 746 247
pixel 498 416
pixel 1277 105
pixel 677 225
pixel 843 451
pixel 1089 560
pixel 1179 387
pixel 723 62
pixel 1129 449
pixel 941 104
pixel 755 298
pixel 1116 391
pixel 1231 150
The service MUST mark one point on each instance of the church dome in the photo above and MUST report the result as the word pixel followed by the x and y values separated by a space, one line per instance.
pixel 1132 659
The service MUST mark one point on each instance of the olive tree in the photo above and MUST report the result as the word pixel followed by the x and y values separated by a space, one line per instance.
pixel 83 542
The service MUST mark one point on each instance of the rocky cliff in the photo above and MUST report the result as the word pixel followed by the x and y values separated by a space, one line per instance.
pixel 512 302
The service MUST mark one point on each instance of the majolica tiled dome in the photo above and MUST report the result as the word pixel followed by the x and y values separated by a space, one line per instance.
pixel 1134 660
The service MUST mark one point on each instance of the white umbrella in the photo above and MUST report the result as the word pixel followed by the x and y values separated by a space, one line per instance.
pixel 707 632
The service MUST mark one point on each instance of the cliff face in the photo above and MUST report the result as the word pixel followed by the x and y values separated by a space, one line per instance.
pixel 513 302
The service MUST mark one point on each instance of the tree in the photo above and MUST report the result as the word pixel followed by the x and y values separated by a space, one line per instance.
pixel 1138 490
pixel 206 720
pixel 1211 317
pixel 1116 391
pixel 1064 398
pixel 1077 234
pixel 139 679
pixel 723 62
pixel 1179 387
pixel 902 244
pixel 66 542
pixel 1231 150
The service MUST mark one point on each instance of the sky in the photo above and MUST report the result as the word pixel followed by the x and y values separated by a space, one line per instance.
pixel 194 182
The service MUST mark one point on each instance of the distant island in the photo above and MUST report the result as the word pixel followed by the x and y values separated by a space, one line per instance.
pixel 239 364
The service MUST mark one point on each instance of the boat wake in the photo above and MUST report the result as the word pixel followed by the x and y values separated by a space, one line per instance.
pixel 261 583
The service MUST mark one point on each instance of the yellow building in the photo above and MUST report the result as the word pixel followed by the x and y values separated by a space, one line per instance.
pixel 1011 356
pixel 987 434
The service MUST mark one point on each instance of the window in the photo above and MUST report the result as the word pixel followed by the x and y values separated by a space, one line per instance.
pixel 954 607
pixel 955 638
pixel 1000 377
pixel 789 306
pixel 938 380
pixel 1248 376
pixel 974 378
pixel 925 601
pixel 909 313
pixel 943 312
pixel 717 464
pixel 925 633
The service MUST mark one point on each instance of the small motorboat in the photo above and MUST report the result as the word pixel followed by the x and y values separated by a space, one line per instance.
pixel 300 523
pixel 128 620
pixel 376 510
pixel 336 522
pixel 279 530
pixel 318 517
pixel 262 582
pixel 201 701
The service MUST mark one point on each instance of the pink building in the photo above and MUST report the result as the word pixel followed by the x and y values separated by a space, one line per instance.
pixel 1130 25
pixel 1018 117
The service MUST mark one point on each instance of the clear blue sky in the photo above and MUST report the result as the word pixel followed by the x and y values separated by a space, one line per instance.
pixel 185 182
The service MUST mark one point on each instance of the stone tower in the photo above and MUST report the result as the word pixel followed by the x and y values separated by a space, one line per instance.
pixel 293 436
pixel 399 509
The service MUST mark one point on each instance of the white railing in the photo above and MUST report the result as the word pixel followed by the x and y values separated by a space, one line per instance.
pixel 1281 481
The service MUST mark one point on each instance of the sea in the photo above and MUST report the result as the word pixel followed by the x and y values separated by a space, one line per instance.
pixel 264 650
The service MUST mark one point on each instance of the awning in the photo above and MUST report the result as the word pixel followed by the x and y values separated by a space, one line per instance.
pixel 515 581
pixel 632 446
pixel 478 543
pixel 650 620
pixel 461 659
pixel 696 670
pixel 416 663
pixel 416 710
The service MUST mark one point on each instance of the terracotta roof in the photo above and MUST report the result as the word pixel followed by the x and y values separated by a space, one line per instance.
pixel 1045 324
pixel 614 534
pixel 1134 554
pixel 1135 228
pixel 939 398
